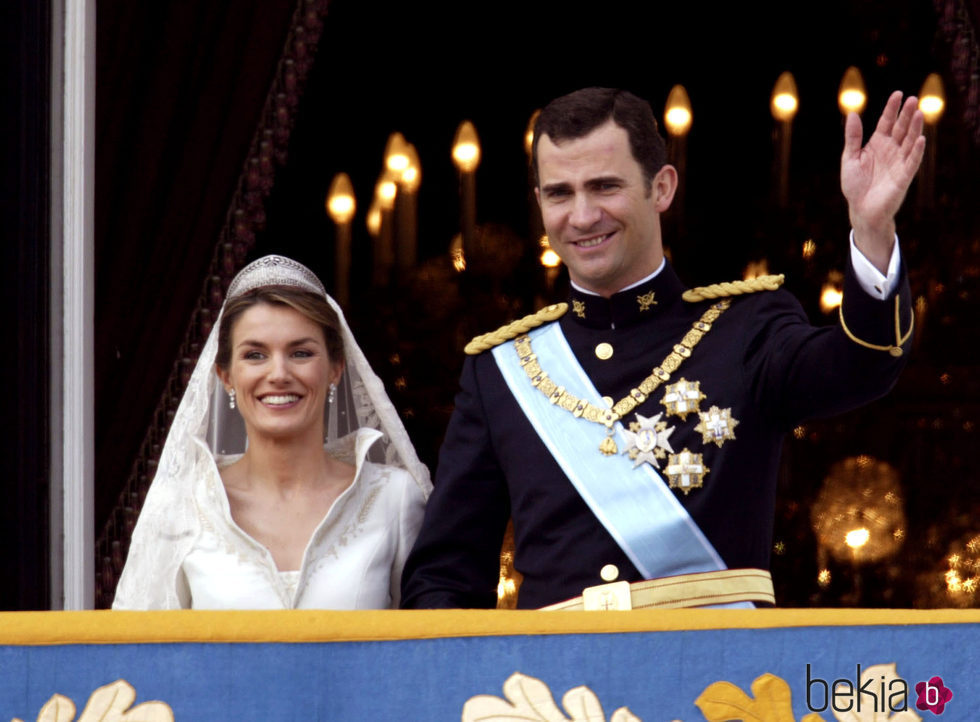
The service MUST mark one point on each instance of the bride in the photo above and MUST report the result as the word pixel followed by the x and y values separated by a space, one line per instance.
pixel 287 479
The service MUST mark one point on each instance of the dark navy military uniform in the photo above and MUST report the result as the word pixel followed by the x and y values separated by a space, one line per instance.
pixel 762 360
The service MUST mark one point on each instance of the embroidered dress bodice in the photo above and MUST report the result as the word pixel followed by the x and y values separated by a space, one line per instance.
pixel 353 559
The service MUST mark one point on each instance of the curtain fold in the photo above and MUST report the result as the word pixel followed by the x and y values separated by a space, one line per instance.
pixel 180 92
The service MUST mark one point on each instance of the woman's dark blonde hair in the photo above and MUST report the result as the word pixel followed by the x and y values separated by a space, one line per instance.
pixel 311 305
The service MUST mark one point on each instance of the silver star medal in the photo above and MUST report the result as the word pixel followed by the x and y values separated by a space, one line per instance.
pixel 648 440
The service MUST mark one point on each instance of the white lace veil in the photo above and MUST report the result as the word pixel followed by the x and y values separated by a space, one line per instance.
pixel 205 427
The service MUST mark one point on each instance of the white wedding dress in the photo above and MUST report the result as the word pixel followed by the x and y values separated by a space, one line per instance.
pixel 187 551
pixel 353 560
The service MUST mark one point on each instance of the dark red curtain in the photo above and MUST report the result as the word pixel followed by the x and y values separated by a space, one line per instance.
pixel 180 90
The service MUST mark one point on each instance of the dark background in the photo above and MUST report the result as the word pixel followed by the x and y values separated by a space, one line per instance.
pixel 182 96
pixel 382 67
pixel 24 236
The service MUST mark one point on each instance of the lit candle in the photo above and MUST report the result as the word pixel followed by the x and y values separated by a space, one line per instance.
pixel 677 113
pixel 466 156
pixel 678 118
pixel 341 207
pixel 832 292
pixel 535 227
pixel 783 104
pixel 932 102
pixel 550 261
pixel 406 210
pixel 529 133
pixel 380 217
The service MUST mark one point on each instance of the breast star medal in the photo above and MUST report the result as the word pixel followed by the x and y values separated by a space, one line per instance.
pixel 717 426
pixel 686 471
pixel 648 439
pixel 683 398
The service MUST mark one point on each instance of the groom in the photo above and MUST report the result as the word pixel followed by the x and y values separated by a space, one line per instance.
pixel 635 437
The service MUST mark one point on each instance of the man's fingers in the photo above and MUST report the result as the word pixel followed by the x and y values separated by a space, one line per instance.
pixel 852 135
pixel 887 120
pixel 914 158
pixel 914 131
pixel 906 118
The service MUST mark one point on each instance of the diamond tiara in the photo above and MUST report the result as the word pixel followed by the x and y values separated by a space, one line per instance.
pixel 275 271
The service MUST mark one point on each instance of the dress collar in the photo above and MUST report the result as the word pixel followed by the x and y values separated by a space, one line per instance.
pixel 630 306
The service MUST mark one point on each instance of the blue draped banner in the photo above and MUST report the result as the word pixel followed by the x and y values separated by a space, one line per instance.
pixel 773 665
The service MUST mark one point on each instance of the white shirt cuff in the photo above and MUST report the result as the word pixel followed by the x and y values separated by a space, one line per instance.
pixel 870 278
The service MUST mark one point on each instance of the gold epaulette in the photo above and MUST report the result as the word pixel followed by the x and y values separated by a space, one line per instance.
pixel 515 328
pixel 734 288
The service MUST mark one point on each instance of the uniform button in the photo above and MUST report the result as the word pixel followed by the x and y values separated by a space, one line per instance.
pixel 609 573
pixel 604 351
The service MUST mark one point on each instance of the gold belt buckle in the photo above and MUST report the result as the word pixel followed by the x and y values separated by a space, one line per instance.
pixel 607 597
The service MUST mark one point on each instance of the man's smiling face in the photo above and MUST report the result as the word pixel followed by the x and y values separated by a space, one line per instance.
pixel 600 214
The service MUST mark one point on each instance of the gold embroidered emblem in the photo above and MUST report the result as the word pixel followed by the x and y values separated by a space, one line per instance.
pixel 686 471
pixel 717 425
pixel 604 351
pixel 645 301
pixel 649 440
pixel 683 398
pixel 578 308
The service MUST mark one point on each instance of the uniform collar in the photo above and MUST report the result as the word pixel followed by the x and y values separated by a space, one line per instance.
pixel 627 307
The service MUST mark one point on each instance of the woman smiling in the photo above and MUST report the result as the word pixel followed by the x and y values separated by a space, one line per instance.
pixel 289 484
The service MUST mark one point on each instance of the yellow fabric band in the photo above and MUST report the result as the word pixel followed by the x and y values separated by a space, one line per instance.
pixel 309 626
pixel 693 590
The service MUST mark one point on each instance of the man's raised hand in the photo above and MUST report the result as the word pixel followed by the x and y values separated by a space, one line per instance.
pixel 875 178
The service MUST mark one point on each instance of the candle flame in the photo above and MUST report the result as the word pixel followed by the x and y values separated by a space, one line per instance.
pixel 373 220
pixel 785 99
pixel 851 96
pixel 677 114
pixel 832 293
pixel 529 133
pixel 396 156
pixel 932 98
pixel 385 192
pixel 550 259
pixel 341 205
pixel 857 538
pixel 785 103
pixel 830 298
pixel 466 147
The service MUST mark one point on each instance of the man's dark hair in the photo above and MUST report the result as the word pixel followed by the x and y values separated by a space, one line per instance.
pixel 577 114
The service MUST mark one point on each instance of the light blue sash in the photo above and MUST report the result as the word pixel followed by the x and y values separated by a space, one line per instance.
pixel 635 505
